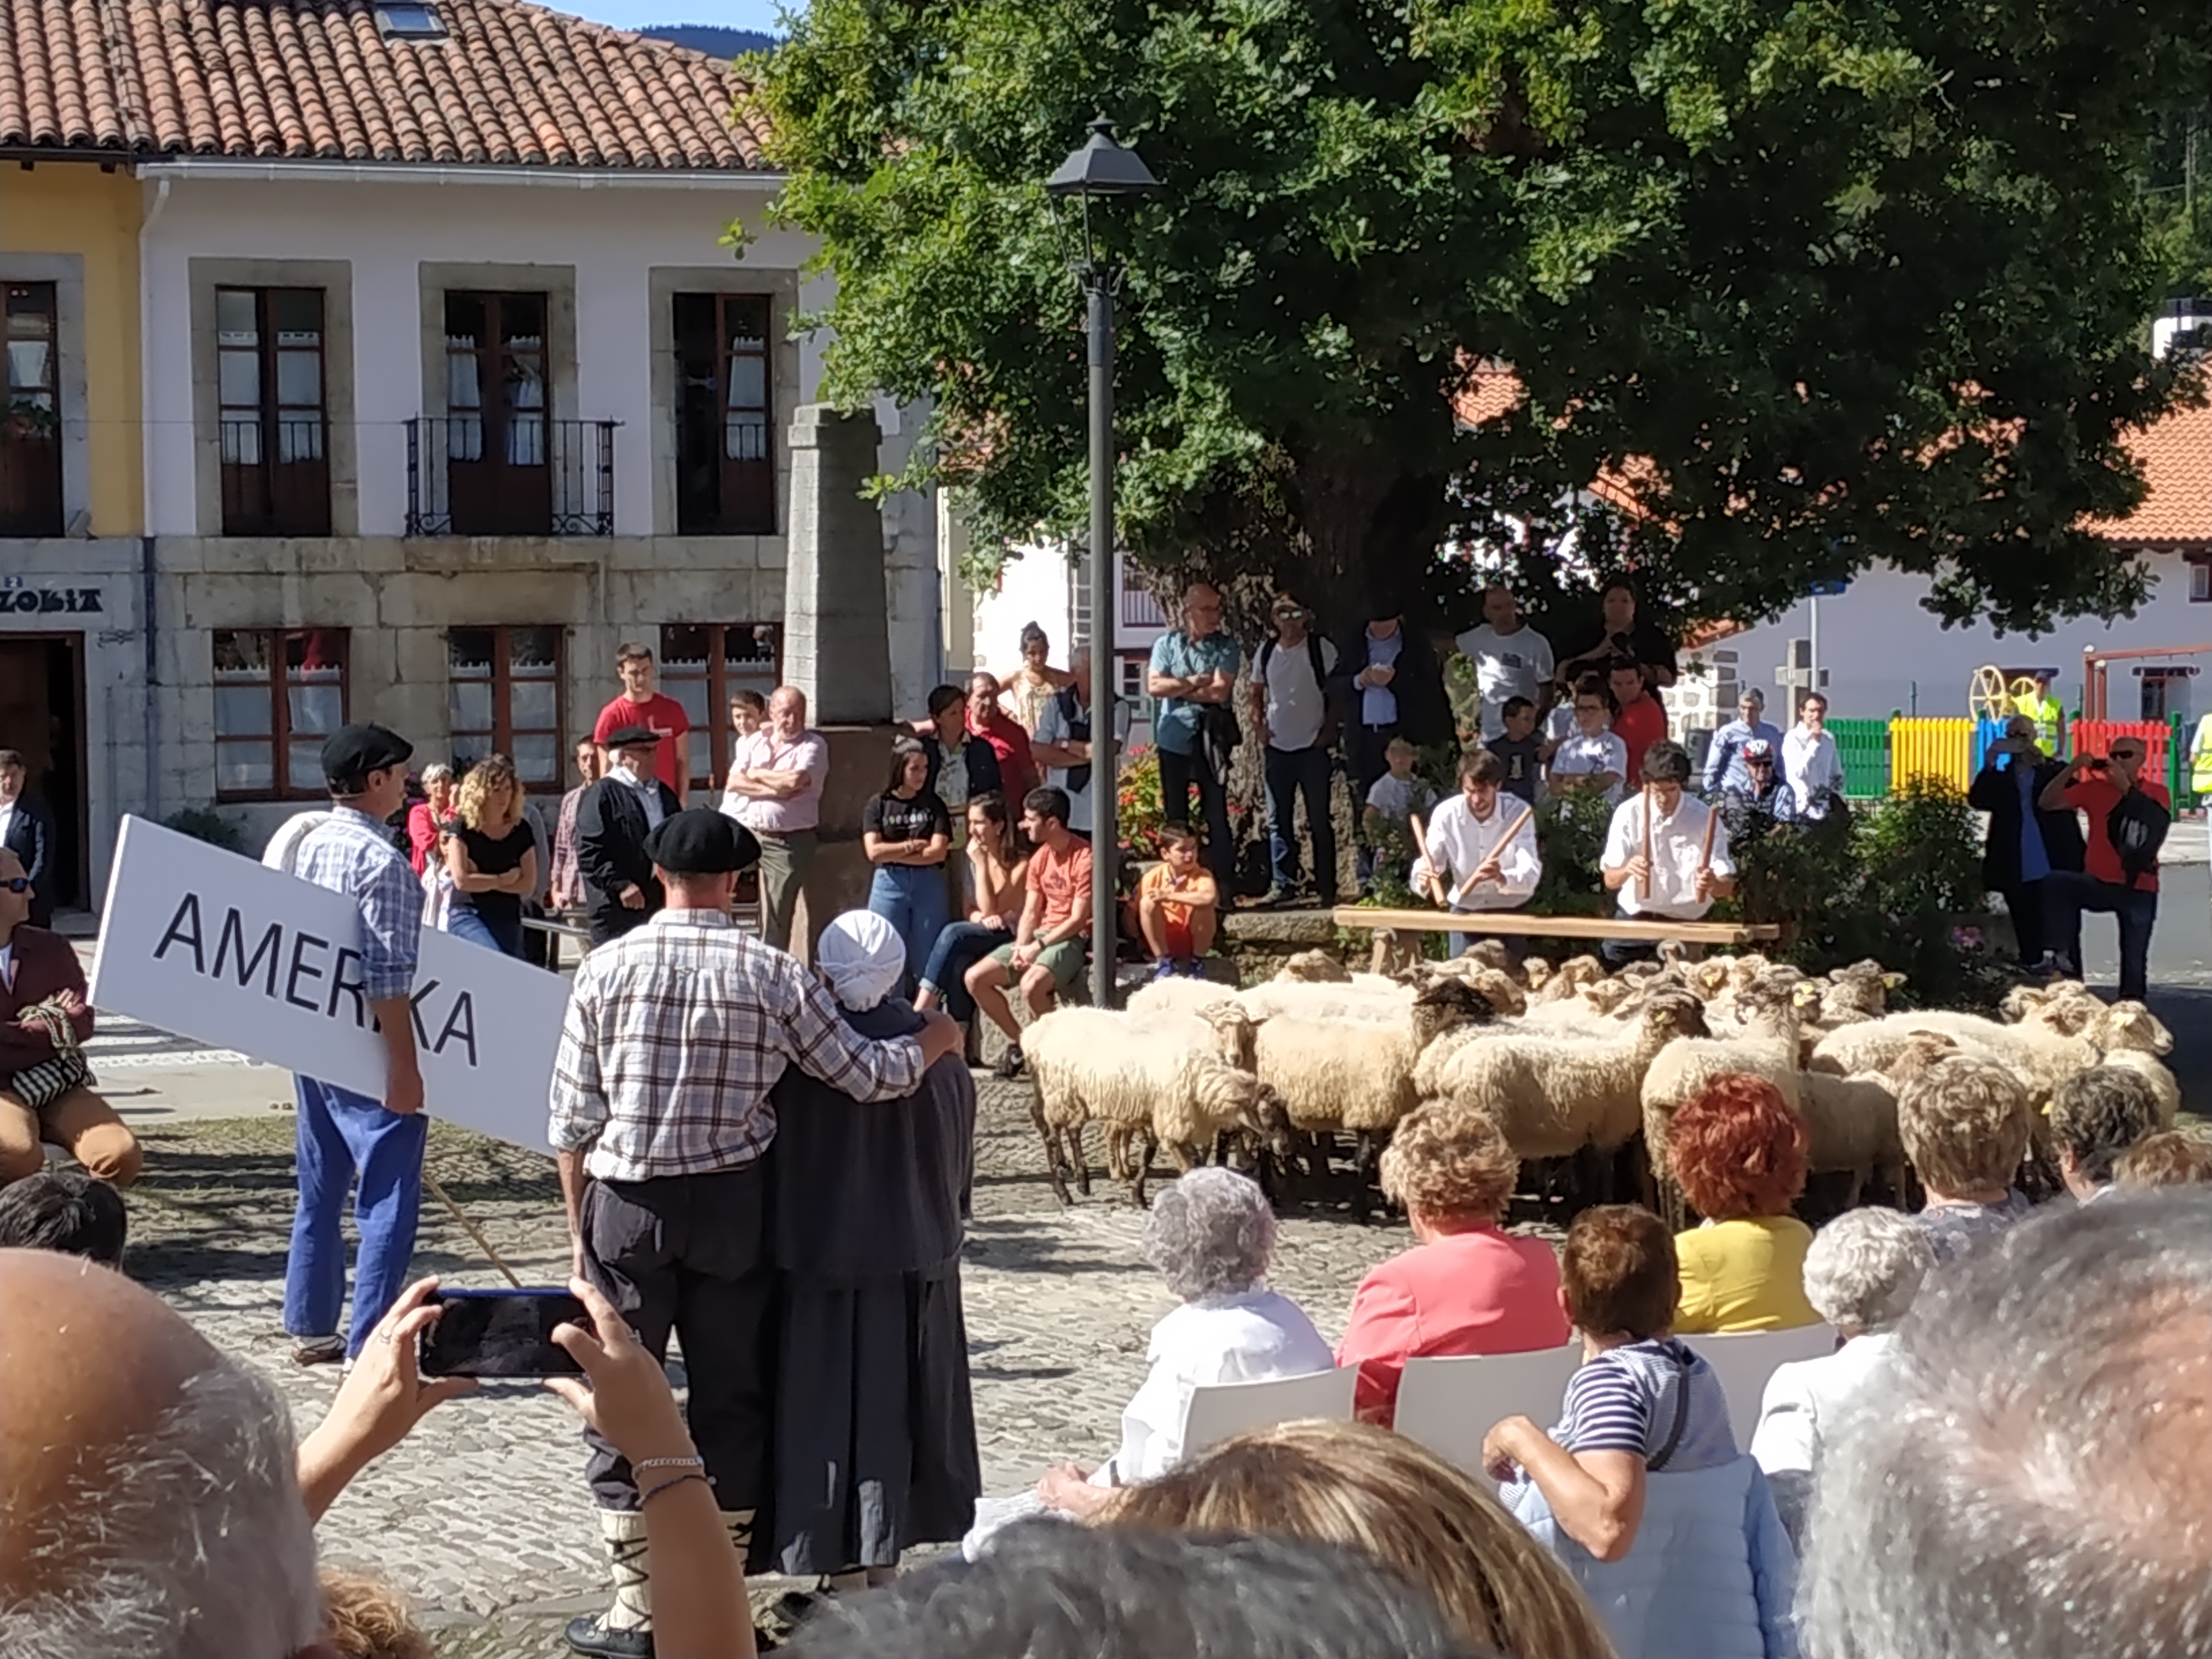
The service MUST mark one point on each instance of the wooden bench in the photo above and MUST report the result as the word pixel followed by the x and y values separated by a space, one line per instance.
pixel 1387 925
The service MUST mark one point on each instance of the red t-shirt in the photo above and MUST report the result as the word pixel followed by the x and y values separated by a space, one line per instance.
pixel 1017 772
pixel 1064 881
pixel 2098 796
pixel 1639 725
pixel 657 713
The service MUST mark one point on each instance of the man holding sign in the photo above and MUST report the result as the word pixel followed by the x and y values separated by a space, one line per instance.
pixel 343 1134
pixel 1477 855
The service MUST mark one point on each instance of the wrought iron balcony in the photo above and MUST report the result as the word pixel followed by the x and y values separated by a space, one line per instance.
pixel 478 474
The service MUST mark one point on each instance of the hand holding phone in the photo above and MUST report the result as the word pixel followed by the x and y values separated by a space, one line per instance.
pixel 2096 763
pixel 629 1400
pixel 501 1334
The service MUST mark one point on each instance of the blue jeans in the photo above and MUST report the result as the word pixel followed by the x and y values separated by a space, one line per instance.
pixel 911 898
pixel 960 945
pixel 1291 773
pixel 463 922
pixel 2067 893
pixel 340 1133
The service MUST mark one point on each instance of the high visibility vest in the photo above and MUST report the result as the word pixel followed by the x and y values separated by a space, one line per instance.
pixel 2049 715
pixel 2200 758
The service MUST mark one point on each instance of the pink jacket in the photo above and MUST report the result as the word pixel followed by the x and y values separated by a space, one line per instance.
pixel 1479 1291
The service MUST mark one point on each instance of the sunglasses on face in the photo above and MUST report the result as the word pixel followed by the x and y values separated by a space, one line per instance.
pixel 17 883
pixel 1289 613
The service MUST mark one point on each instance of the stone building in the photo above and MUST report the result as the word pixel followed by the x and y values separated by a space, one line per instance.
pixel 451 382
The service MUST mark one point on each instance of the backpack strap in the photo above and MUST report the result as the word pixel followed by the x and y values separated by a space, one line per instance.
pixel 1659 1460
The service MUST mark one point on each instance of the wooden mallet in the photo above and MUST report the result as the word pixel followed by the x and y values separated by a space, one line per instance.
pixel 1519 824
pixel 1644 881
pixel 1705 851
pixel 1434 890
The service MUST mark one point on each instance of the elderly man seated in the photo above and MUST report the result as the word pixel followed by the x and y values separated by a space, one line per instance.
pixel 1861 1274
pixel 2028 1480
pixel 1212 1235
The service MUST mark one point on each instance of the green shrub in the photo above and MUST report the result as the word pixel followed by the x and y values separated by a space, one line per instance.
pixel 1571 835
pixel 205 823
pixel 1891 879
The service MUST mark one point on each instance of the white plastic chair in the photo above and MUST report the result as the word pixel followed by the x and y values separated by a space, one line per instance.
pixel 1231 1408
pixel 1744 1361
pixel 1448 1405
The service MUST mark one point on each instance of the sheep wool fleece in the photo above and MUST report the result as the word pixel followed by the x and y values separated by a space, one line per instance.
pixel 1711 1575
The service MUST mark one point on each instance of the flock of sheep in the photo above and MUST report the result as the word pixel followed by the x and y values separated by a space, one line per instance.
pixel 1583 1071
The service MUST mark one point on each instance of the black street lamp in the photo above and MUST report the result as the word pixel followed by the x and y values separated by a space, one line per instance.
pixel 1102 170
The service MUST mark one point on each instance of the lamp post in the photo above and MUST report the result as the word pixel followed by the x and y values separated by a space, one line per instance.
pixel 1101 171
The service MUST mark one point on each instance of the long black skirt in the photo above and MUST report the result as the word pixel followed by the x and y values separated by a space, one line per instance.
pixel 875 1442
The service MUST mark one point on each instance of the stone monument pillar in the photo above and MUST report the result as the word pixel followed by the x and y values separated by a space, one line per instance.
pixel 836 644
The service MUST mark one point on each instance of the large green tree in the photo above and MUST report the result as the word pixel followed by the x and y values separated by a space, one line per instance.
pixel 1820 284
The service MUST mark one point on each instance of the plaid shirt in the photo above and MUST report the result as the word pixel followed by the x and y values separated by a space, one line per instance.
pixel 675 1034
pixel 566 885
pixel 352 852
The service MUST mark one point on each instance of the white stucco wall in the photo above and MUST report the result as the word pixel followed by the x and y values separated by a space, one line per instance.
pixel 1882 651
pixel 611 236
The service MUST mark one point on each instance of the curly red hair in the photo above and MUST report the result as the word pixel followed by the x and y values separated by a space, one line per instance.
pixel 1737 1149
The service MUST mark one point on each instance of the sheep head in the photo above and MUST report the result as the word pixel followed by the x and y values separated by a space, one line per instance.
pixel 1608 994
pixel 1771 1000
pixel 1271 1125
pixel 1223 1093
pixel 1489 953
pixel 1313 968
pixel 1233 1025
pixel 1446 1003
pixel 1922 1050
pixel 2071 1010
pixel 1709 978
pixel 1537 972
pixel 1670 1013
pixel 1500 990
pixel 1582 970
pixel 2130 1025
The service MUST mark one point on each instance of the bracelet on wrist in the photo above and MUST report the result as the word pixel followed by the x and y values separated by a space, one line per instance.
pixel 694 1461
pixel 652 1492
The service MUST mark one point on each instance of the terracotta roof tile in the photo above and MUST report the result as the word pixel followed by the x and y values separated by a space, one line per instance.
pixel 512 83
pixel 2176 456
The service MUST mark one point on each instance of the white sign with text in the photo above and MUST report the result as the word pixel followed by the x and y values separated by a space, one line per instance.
pixel 211 945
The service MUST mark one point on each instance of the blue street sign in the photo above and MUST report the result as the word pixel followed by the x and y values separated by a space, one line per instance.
pixel 1827 590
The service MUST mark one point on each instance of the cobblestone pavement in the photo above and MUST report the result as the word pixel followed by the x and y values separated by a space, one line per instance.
pixel 483 1517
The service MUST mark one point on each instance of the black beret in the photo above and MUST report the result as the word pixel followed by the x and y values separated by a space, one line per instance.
pixel 628 735
pixel 702 841
pixel 353 752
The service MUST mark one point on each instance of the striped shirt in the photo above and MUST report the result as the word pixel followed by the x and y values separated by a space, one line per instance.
pixel 675 1034
pixel 568 886
pixel 1624 1401
pixel 352 852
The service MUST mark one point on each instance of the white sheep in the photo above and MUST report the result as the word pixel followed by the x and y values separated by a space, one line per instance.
pixel 1373 1004
pixel 2040 1057
pixel 1555 1094
pixel 1851 1124
pixel 1356 1075
pixel 1766 1047
pixel 2132 1036
pixel 1313 968
pixel 1178 995
pixel 1156 1077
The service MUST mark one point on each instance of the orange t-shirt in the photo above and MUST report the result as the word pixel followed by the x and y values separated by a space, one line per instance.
pixel 1162 883
pixel 1064 881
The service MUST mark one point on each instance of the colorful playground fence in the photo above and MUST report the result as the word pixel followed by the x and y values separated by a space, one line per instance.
pixel 1880 756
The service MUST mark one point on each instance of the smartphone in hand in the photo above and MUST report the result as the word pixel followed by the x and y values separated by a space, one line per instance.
pixel 501 1334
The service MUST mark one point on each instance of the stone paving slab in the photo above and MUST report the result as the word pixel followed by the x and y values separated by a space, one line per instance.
pixel 482 1515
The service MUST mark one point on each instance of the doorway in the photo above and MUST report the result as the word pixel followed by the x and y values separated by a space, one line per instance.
pixel 42 717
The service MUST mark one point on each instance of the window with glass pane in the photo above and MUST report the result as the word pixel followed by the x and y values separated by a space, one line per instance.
pixel 496 407
pixel 725 415
pixel 503 691
pixel 279 694
pixel 701 665
pixel 30 421
pixel 268 379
